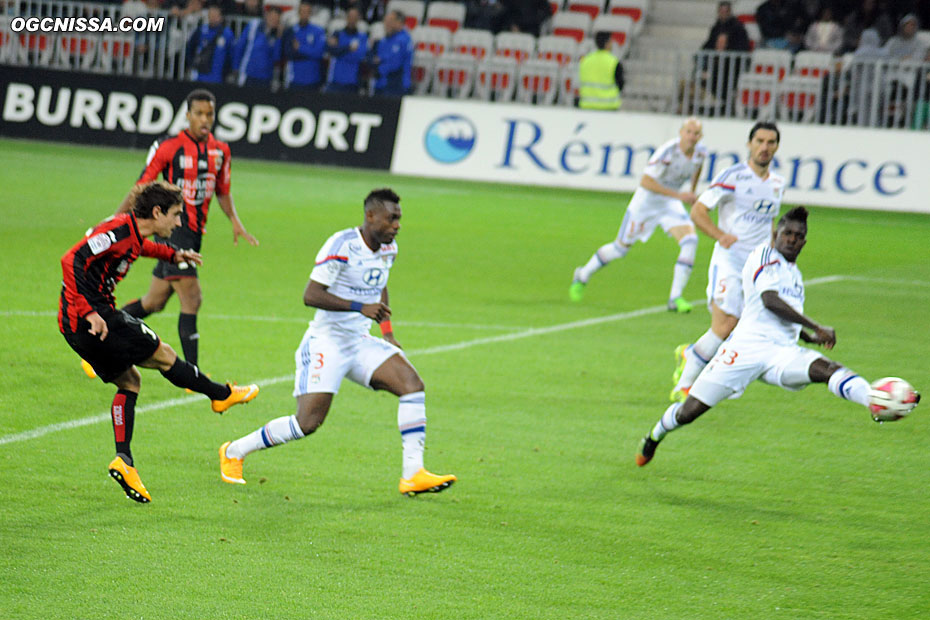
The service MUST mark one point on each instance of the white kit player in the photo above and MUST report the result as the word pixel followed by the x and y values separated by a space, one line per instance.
pixel 764 344
pixel 658 202
pixel 348 286
pixel 747 197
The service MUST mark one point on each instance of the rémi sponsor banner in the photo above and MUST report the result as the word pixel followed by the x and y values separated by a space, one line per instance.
pixel 121 111
pixel 566 147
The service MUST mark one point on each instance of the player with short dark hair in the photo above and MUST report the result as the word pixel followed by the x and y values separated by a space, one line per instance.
pixel 764 344
pixel 199 164
pixel 348 286
pixel 114 342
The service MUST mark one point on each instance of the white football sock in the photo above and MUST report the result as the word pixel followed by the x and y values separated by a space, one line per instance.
pixel 697 357
pixel 847 384
pixel 604 255
pixel 411 421
pixel 683 265
pixel 278 431
pixel 667 423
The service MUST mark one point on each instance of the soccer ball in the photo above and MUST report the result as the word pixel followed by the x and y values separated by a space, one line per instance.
pixel 891 398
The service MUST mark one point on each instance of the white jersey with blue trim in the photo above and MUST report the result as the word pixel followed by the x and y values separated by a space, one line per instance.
pixel 747 207
pixel 767 270
pixel 671 168
pixel 350 270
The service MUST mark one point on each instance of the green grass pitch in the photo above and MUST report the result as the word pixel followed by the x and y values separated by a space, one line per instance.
pixel 776 505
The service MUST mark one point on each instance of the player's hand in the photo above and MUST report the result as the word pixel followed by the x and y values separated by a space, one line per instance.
pixel 727 240
pixel 296 45
pixel 377 312
pixel 687 197
pixel 98 327
pixel 188 256
pixel 824 336
pixel 240 231
pixel 390 338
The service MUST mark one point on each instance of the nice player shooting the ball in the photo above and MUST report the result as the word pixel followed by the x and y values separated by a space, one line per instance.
pixel 348 287
pixel 764 343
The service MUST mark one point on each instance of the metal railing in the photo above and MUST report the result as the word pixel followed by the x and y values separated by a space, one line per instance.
pixel 758 85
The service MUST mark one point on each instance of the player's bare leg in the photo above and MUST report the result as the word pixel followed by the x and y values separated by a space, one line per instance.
pixel 676 415
pixel 692 360
pixel 123 414
pixel 687 242
pixel 154 300
pixel 191 296
pixel 397 376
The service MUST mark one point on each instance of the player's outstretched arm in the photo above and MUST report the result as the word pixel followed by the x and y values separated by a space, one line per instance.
pixel 316 295
pixel 822 335
pixel 226 204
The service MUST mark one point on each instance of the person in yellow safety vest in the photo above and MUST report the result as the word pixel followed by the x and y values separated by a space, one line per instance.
pixel 600 77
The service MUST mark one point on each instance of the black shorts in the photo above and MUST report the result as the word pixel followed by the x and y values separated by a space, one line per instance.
pixel 183 239
pixel 129 341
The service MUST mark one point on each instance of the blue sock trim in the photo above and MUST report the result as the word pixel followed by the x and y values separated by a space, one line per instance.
pixel 415 429
pixel 843 385
pixel 266 438
pixel 697 355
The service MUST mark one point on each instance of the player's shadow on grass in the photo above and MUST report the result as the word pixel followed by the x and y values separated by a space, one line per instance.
pixel 729 509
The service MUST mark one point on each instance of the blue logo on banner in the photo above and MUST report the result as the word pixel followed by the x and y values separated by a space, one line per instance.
pixel 450 138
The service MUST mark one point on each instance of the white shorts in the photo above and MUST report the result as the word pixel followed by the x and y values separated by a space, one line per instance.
pixel 740 362
pixel 645 212
pixel 323 360
pixel 725 286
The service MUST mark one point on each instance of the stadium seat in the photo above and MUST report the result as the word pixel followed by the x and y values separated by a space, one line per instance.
pixel 115 54
pixel 586 47
pixel 745 10
pixel 799 98
pixel 538 80
pixel 812 64
pixel 634 9
pixel 568 84
pixel 497 77
pixel 477 43
pixel 421 71
pixel 76 52
pixel 771 62
pixel 37 48
pixel 755 35
pixel 560 49
pixel 755 97
pixel 412 10
pixel 449 15
pixel 432 39
pixel 454 75
pixel 569 24
pixel 592 7
pixel 620 28
pixel 555 6
pixel 375 33
pixel 516 45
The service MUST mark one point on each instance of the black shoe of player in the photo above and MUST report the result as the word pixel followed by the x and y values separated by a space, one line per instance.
pixel 647 449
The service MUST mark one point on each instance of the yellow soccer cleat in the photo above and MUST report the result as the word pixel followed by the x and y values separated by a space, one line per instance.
pixel 88 369
pixel 425 482
pixel 238 394
pixel 230 468
pixel 128 478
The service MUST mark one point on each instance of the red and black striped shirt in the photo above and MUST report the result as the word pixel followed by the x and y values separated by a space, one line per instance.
pixel 200 169
pixel 91 269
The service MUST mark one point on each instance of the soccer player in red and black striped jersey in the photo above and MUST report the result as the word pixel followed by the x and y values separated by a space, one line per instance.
pixel 198 163
pixel 112 341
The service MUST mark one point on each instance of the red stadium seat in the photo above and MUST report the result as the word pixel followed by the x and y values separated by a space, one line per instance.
pixel 497 77
pixel 477 43
pixel 516 45
pixel 448 15
pixel 592 8
pixel 574 25
pixel 538 80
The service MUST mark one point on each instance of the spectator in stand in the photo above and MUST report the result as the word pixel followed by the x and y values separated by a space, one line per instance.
pixel 905 45
pixel 303 45
pixel 525 15
pixel 258 50
pixel 728 33
pixel 249 8
pixel 180 8
pixel 871 14
pixel 392 57
pixel 209 48
pixel 600 76
pixel 775 19
pixel 825 34
pixel 348 48
pixel 372 10
pixel 484 14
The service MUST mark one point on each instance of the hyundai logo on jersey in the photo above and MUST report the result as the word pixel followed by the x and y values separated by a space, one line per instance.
pixel 372 277
pixel 450 138
pixel 763 206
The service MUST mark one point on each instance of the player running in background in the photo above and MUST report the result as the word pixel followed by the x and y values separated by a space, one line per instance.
pixel 657 202
pixel 747 197
pixel 348 286
pixel 764 344
pixel 199 164
pixel 112 341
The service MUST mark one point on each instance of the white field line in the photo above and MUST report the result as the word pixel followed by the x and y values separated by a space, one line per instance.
pixel 458 346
